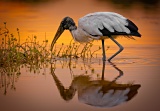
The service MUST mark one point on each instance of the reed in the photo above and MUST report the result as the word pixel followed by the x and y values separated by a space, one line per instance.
pixel 75 50
pixel 34 56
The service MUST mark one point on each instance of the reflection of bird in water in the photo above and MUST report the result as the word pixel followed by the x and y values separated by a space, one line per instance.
pixel 99 26
pixel 66 93
pixel 102 93
pixel 99 93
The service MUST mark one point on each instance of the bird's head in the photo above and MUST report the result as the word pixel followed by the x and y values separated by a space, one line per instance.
pixel 66 24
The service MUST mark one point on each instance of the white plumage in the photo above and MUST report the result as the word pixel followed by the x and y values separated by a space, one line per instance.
pixel 103 93
pixel 99 26
pixel 91 23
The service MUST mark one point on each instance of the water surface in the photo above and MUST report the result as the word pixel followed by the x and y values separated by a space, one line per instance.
pixel 58 86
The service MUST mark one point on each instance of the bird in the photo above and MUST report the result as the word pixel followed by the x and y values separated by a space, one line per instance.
pixel 98 26
pixel 97 93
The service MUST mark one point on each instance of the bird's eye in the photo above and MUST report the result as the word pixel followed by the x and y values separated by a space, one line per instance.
pixel 65 26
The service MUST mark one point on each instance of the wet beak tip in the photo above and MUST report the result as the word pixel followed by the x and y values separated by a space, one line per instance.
pixel 52 45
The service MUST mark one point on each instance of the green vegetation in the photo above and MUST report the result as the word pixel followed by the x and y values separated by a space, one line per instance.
pixel 12 51
pixel 14 56
pixel 29 52
pixel 34 56
pixel 75 50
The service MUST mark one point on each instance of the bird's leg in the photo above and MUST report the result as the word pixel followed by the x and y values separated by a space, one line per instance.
pixel 120 48
pixel 103 70
pixel 119 70
pixel 103 49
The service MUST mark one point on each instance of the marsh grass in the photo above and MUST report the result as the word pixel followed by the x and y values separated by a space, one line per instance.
pixel 75 50
pixel 35 56
pixel 15 55
pixel 12 52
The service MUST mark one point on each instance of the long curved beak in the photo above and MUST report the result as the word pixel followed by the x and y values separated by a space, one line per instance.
pixel 58 34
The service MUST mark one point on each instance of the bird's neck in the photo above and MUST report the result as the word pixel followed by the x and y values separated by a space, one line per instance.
pixel 71 28
pixel 73 31
pixel 80 35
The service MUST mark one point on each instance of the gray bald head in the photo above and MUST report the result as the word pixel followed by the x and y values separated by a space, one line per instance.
pixel 68 24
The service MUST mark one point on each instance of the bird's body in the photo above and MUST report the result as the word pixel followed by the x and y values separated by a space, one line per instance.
pixel 99 26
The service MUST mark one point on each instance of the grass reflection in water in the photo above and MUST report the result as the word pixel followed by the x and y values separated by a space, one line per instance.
pixel 14 56
pixel 34 56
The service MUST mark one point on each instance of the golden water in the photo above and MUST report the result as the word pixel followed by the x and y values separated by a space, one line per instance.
pixel 139 62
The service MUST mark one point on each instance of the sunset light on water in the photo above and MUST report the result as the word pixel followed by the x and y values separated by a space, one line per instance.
pixel 67 84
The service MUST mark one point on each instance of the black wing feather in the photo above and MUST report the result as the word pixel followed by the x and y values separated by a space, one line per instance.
pixel 131 26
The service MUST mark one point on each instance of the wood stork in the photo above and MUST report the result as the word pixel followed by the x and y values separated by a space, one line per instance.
pixel 98 26
pixel 98 93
